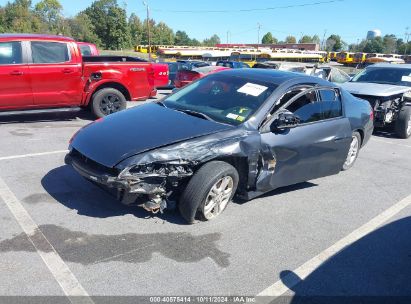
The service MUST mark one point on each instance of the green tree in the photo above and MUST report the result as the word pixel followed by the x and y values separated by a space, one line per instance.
pixel 290 39
pixel 164 35
pixel 18 18
pixel 110 22
pixel 375 45
pixel 136 29
pixel 144 35
pixel 390 44
pixel 182 38
pixel 212 41
pixel 2 20
pixel 82 29
pixel 269 39
pixel 195 42
pixel 315 39
pixel 49 11
pixel 306 39
pixel 334 43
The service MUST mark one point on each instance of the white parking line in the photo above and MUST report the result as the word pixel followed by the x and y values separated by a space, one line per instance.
pixel 279 288
pixel 390 142
pixel 59 269
pixel 32 154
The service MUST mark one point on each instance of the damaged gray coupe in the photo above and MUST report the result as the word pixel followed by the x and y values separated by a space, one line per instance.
pixel 238 132
pixel 387 87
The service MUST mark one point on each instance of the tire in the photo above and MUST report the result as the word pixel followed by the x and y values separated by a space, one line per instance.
pixel 403 123
pixel 194 198
pixel 353 151
pixel 107 101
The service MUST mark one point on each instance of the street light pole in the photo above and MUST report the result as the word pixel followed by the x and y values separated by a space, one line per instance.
pixel 258 38
pixel 148 30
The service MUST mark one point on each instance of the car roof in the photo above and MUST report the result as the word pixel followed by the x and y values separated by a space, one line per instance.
pixel 85 43
pixel 273 76
pixel 35 36
pixel 390 65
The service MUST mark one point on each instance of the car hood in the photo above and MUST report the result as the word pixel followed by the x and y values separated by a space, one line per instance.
pixel 118 136
pixel 374 89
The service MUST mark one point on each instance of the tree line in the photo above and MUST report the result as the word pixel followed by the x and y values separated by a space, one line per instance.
pixel 389 44
pixel 104 23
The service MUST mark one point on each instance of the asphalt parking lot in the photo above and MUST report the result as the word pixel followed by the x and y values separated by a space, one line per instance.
pixel 356 225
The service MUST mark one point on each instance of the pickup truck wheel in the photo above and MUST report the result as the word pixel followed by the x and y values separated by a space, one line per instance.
pixel 107 101
pixel 353 151
pixel 209 191
pixel 403 123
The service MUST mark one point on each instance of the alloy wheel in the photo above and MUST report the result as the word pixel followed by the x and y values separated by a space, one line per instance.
pixel 353 151
pixel 218 197
pixel 110 104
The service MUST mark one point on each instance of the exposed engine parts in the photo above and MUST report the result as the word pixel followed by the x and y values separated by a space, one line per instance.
pixel 150 185
pixel 386 109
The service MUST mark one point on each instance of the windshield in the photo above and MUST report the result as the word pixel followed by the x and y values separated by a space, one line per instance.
pixel 230 100
pixel 395 76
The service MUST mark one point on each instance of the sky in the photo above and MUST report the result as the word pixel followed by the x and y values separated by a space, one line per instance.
pixel 351 19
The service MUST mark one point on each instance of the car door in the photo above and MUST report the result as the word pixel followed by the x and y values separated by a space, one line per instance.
pixel 55 74
pixel 15 87
pixel 316 147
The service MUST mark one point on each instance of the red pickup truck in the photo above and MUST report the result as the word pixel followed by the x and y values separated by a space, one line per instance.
pixel 41 71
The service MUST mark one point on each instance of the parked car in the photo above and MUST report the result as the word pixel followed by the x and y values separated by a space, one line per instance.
pixel 185 77
pixel 266 65
pixel 232 64
pixel 173 68
pixel 48 72
pixel 191 64
pixel 88 49
pixel 388 89
pixel 239 131
pixel 324 71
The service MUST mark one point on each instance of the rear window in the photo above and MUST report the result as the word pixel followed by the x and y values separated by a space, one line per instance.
pixel 85 50
pixel 49 52
pixel 10 53
pixel 172 67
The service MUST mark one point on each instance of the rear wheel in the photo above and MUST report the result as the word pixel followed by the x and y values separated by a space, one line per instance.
pixel 209 191
pixel 107 101
pixel 353 151
pixel 403 123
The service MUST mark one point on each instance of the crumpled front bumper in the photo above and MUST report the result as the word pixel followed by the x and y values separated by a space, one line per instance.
pixel 107 180
pixel 127 187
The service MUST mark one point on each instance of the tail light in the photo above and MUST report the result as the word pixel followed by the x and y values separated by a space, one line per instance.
pixel 372 115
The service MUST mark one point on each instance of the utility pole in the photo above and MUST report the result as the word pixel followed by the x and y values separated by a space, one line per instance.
pixel 148 30
pixel 407 37
pixel 258 36
pixel 323 44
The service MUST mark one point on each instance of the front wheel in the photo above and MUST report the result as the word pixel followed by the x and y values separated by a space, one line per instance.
pixel 209 191
pixel 107 101
pixel 353 151
pixel 403 123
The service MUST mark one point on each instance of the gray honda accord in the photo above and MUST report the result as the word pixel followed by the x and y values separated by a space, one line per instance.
pixel 237 132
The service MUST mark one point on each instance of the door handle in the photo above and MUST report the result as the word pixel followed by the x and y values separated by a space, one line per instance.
pixel 67 71
pixel 16 73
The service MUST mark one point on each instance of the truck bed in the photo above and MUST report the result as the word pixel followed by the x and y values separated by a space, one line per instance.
pixel 112 58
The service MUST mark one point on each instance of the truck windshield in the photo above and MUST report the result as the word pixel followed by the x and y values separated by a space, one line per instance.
pixel 226 99
pixel 394 76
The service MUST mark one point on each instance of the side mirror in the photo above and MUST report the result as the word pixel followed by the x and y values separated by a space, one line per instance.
pixel 284 121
